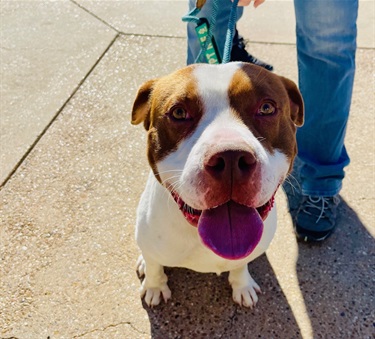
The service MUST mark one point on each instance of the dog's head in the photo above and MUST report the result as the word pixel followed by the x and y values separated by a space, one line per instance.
pixel 221 139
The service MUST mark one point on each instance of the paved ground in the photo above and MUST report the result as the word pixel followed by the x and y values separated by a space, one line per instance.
pixel 73 168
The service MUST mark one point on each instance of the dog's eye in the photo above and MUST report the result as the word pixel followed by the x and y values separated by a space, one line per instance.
pixel 267 108
pixel 179 113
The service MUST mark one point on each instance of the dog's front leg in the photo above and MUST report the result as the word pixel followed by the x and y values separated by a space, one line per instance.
pixel 244 287
pixel 155 281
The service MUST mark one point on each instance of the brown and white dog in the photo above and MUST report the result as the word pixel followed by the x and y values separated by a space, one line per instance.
pixel 221 140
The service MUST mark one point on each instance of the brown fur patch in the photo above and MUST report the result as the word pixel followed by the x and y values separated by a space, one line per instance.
pixel 250 87
pixel 154 105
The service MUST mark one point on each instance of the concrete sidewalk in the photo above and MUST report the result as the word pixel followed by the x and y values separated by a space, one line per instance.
pixel 73 168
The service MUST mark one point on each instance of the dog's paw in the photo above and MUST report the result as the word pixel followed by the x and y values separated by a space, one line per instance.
pixel 246 295
pixel 244 287
pixel 141 266
pixel 153 294
pixel 154 285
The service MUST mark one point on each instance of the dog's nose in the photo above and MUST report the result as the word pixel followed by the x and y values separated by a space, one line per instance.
pixel 231 165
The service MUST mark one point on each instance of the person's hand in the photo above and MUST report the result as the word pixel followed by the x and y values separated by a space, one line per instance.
pixel 247 2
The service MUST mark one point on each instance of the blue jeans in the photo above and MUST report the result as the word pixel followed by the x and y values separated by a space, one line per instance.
pixel 326 45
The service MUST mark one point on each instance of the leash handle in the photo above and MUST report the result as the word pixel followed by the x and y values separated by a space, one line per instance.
pixel 208 48
pixel 208 45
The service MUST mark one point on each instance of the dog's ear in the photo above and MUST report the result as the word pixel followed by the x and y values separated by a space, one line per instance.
pixel 296 101
pixel 141 106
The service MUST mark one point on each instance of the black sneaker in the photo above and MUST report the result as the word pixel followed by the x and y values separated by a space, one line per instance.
pixel 239 53
pixel 316 218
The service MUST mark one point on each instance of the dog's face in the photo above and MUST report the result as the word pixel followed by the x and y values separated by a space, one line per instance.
pixel 221 139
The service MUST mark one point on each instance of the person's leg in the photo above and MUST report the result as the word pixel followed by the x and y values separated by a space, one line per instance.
pixel 326 45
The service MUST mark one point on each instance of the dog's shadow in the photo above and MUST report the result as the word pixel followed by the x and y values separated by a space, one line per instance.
pixel 334 278
pixel 202 307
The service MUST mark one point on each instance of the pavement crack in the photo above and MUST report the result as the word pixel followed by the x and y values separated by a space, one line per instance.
pixel 232 321
pixel 103 329
pixel 54 118
pixel 95 16
pixel 233 317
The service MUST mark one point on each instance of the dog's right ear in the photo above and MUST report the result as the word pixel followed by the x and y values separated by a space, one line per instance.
pixel 141 106
pixel 296 101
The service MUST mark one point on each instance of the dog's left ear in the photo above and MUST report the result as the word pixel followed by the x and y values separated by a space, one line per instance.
pixel 141 106
pixel 296 101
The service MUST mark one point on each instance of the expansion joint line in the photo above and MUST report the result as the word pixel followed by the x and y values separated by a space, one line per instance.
pixel 75 90
pixel 94 15
pixel 109 326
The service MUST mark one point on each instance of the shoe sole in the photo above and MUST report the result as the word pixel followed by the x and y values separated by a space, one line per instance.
pixel 303 236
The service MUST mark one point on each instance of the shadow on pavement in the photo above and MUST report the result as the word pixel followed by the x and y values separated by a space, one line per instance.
pixel 336 280
pixel 202 306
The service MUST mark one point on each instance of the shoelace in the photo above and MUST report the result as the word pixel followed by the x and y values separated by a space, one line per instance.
pixel 319 203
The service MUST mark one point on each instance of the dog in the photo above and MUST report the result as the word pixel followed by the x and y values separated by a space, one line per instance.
pixel 221 140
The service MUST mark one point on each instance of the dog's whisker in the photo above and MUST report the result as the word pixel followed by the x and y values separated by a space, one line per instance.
pixel 171 182
pixel 295 187
pixel 291 177
pixel 261 77
pixel 174 182
pixel 174 187
pixel 174 177
pixel 169 200
pixel 169 171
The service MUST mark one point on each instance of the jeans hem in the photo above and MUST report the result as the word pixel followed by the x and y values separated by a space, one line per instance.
pixel 322 193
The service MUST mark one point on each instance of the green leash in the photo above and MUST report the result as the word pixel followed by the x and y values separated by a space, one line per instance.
pixel 204 31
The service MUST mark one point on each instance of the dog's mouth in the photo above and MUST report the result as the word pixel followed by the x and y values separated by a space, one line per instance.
pixel 231 230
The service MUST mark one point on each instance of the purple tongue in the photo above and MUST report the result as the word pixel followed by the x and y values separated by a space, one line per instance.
pixel 231 230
